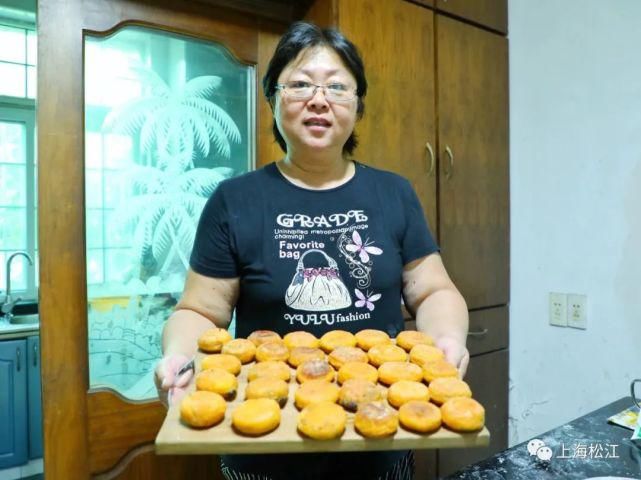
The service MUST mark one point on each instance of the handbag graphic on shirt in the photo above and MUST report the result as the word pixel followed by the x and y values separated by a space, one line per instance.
pixel 317 289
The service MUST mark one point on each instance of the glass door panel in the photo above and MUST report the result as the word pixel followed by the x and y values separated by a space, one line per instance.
pixel 167 118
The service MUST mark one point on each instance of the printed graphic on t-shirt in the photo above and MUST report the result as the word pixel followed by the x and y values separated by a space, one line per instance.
pixel 317 283
pixel 357 255
pixel 317 289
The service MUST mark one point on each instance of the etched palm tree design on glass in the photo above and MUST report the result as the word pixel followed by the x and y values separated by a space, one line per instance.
pixel 167 119
pixel 171 192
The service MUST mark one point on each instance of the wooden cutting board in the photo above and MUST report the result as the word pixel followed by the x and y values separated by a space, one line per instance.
pixel 175 437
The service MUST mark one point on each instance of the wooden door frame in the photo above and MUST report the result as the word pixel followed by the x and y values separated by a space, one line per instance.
pixel 85 431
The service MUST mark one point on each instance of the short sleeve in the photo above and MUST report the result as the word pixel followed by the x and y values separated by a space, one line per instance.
pixel 214 254
pixel 417 240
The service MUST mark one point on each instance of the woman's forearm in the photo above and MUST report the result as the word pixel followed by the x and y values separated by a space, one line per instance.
pixel 181 332
pixel 443 314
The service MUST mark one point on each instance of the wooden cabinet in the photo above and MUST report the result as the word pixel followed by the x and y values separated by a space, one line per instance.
pixel 472 105
pixel 488 330
pixel 398 130
pixel 489 13
pixel 422 66
pixel 425 3
pixel 13 403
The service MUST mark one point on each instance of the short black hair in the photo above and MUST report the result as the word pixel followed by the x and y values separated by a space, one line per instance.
pixel 303 35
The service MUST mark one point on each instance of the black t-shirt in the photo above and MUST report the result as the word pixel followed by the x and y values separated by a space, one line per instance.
pixel 314 260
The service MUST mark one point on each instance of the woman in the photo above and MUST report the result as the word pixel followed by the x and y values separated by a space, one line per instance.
pixel 314 242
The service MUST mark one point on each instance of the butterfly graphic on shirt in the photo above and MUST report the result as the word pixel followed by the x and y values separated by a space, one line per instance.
pixel 366 300
pixel 364 250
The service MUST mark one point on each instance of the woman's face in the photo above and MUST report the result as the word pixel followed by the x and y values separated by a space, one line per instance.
pixel 315 124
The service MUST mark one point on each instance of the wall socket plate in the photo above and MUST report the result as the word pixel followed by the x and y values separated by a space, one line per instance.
pixel 558 309
pixel 578 311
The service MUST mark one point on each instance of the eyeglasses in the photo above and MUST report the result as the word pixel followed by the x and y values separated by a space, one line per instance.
pixel 334 92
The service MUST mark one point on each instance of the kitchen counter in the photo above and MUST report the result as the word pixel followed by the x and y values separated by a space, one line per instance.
pixel 9 331
pixel 586 447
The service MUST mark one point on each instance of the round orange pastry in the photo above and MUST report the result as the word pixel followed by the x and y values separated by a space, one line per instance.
pixel 405 391
pixel 298 355
pixel 256 416
pixel 263 336
pixel 240 348
pixel 268 387
pixel 379 354
pixel 408 339
pixel 315 370
pixel 392 372
pixel 270 368
pixel 219 381
pixel 212 340
pixel 301 339
pixel 420 416
pixel 444 388
pixel 437 369
pixel 202 409
pixel 314 391
pixel 358 390
pixel 221 360
pixel 463 414
pixel 369 337
pixel 376 420
pixel 337 338
pixel 421 354
pixel 362 370
pixel 272 351
pixel 342 355
pixel 322 421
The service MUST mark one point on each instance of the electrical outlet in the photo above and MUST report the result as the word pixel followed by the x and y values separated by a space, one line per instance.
pixel 558 309
pixel 578 311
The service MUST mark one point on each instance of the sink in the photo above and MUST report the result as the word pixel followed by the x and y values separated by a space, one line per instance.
pixel 20 325
pixel 25 319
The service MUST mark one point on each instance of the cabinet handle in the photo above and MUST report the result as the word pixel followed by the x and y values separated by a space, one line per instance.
pixel 449 171
pixel 430 152
pixel 35 354
pixel 477 333
pixel 18 355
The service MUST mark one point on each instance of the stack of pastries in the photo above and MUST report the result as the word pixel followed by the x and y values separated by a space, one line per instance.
pixel 382 383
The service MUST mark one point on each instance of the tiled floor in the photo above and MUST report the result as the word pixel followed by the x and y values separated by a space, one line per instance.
pixel 29 471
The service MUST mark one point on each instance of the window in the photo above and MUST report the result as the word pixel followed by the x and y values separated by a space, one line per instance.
pixel 18 169
pixel 18 52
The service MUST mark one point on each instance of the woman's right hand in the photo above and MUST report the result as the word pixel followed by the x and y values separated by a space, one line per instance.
pixel 170 387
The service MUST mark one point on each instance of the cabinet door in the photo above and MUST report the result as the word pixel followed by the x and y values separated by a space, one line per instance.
pixel 13 404
pixel 488 378
pixel 427 3
pixel 397 132
pixel 35 397
pixel 89 432
pixel 489 13
pixel 473 169
pixel 488 330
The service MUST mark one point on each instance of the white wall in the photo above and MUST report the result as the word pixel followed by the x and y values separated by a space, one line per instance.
pixel 575 160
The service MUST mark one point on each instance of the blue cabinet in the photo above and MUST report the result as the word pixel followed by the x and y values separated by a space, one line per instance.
pixel 13 403
pixel 34 393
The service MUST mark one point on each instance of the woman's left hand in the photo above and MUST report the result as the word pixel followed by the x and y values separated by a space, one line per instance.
pixel 455 352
